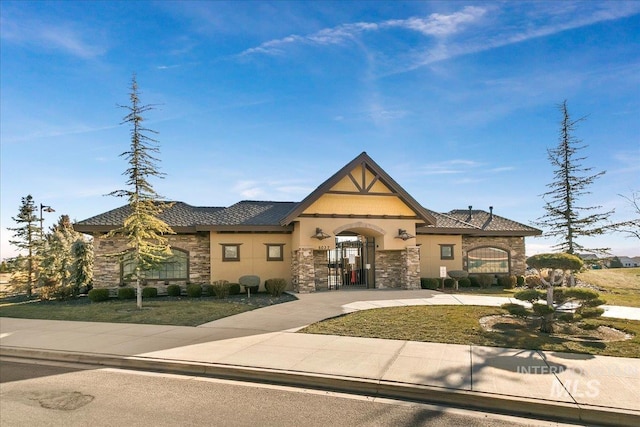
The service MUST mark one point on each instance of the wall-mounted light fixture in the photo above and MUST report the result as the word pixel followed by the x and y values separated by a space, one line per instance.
pixel 320 235
pixel 402 234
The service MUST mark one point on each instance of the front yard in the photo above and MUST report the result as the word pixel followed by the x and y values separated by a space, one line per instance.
pixel 178 311
pixel 462 325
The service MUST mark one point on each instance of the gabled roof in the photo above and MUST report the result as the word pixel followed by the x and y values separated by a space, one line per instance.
pixel 477 222
pixel 362 160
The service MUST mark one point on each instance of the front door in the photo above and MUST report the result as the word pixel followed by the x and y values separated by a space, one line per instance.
pixel 351 264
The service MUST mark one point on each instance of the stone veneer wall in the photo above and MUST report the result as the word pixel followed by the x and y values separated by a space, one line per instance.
pixel 320 262
pixel 411 268
pixel 389 269
pixel 303 270
pixel 106 270
pixel 514 245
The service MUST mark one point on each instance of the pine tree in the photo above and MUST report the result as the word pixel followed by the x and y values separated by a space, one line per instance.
pixel 58 261
pixel 564 217
pixel 26 237
pixel 144 231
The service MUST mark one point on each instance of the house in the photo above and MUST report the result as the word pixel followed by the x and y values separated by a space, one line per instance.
pixel 358 228
pixel 628 262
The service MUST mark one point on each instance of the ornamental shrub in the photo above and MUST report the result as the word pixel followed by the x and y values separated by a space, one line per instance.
pixel 207 290
pixel 251 282
pixel 428 283
pixel 275 287
pixel 530 295
pixel 520 281
pixel 507 282
pixel 173 290
pixel 234 288
pixel 221 289
pixel 98 295
pixel 517 310
pixel 464 282
pixel 486 280
pixel 126 293
pixel 194 290
pixel 149 292
pixel 475 281
pixel 448 282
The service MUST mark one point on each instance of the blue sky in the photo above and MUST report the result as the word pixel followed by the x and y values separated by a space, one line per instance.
pixel 265 100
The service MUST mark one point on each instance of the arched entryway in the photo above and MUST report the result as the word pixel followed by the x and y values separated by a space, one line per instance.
pixel 352 263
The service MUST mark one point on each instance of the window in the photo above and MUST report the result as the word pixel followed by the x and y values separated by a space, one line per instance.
pixel 176 267
pixel 488 260
pixel 275 252
pixel 231 252
pixel 446 251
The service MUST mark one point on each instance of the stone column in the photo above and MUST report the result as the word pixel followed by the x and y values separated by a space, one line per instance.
pixel 303 271
pixel 411 268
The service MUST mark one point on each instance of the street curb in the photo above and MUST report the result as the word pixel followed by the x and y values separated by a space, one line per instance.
pixel 537 408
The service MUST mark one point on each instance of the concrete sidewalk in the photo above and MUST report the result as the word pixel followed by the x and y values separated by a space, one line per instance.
pixel 570 387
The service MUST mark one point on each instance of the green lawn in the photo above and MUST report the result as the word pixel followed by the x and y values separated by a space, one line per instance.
pixel 619 286
pixel 460 325
pixel 494 291
pixel 158 311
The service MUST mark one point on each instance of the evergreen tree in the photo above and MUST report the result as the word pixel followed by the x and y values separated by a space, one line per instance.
pixel 82 267
pixel 58 261
pixel 565 218
pixel 144 231
pixel 26 238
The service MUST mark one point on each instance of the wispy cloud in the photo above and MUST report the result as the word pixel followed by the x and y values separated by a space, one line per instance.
pixel 66 37
pixel 448 36
pixel 437 25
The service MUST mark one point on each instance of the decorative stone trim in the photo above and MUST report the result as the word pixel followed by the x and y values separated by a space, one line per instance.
pixel 303 271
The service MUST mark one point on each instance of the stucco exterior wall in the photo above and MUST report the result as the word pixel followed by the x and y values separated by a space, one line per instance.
pixel 430 261
pixel 253 257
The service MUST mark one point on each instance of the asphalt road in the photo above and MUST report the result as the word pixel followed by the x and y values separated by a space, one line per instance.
pixel 54 395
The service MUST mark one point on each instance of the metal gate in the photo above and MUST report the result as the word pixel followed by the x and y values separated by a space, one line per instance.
pixel 351 264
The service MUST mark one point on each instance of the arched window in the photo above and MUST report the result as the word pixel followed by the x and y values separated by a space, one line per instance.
pixel 176 267
pixel 488 260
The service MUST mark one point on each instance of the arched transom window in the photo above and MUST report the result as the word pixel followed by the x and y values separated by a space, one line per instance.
pixel 487 260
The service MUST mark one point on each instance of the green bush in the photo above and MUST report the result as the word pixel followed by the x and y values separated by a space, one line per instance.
pixel 429 283
pixel 486 280
pixel 507 282
pixel 173 290
pixel 520 281
pixel 98 295
pixel 475 281
pixel 517 310
pixel 126 293
pixel 275 287
pixel 194 290
pixel 448 283
pixel 207 290
pixel 234 289
pixel 590 312
pixel 465 282
pixel 149 292
pixel 250 282
pixel 221 289
pixel 530 295
pixel 542 309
